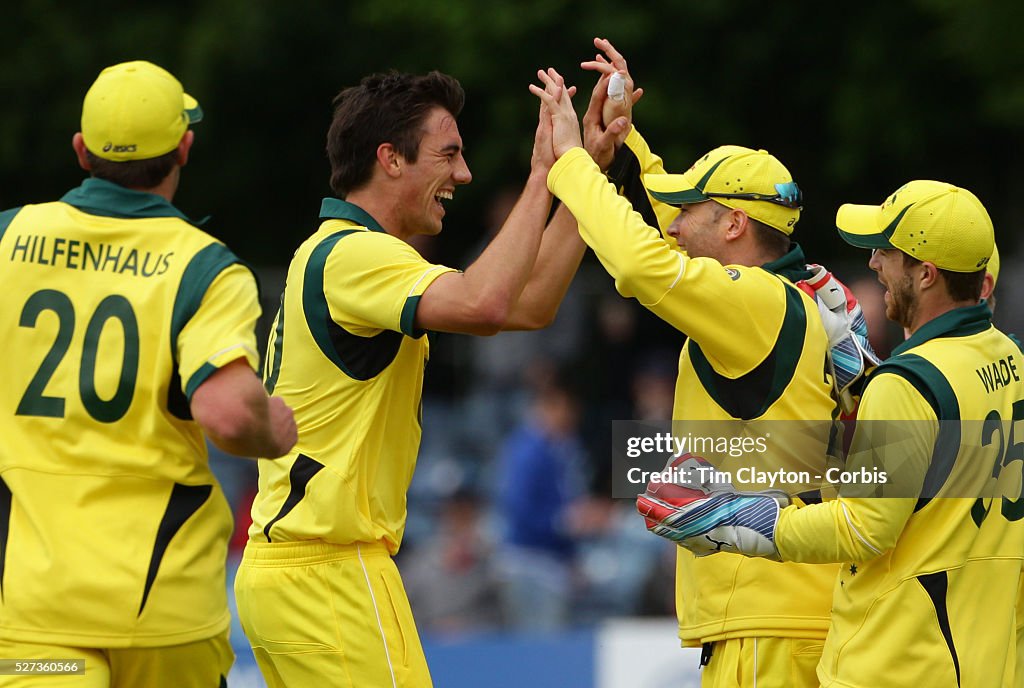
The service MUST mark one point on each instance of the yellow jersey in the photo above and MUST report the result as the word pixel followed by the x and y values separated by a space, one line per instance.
pixel 755 351
pixel 114 530
pixel 928 593
pixel 345 356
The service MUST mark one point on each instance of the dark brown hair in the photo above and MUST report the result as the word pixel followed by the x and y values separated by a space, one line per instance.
pixel 771 241
pixel 133 174
pixel 961 286
pixel 387 107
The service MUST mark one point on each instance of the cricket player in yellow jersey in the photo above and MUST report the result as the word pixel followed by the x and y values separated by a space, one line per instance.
pixel 129 334
pixel 988 296
pixel 319 595
pixel 756 350
pixel 927 593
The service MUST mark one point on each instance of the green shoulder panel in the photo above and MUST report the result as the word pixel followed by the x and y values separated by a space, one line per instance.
pixel 1015 340
pixel 927 379
pixel 6 217
pixel 934 388
pixel 361 358
pixel 749 396
pixel 199 274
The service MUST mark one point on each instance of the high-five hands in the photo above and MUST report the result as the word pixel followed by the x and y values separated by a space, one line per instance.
pixel 543 155
pixel 611 105
pixel 556 99
pixel 609 114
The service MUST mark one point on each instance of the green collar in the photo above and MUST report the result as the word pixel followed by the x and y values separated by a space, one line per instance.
pixel 959 322
pixel 107 199
pixel 333 209
pixel 792 266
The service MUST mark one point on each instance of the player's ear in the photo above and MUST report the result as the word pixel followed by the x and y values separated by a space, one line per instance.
pixel 988 286
pixel 184 146
pixel 928 275
pixel 389 160
pixel 78 144
pixel 737 224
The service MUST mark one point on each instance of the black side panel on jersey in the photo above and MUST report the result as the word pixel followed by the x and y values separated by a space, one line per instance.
pixel 185 500
pixel 624 173
pixel 299 476
pixel 361 358
pixel 196 279
pixel 749 396
pixel 937 585
pixel 6 500
pixel 933 386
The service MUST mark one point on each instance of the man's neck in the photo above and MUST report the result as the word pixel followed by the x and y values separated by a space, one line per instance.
pixel 380 207
pixel 167 187
pixel 926 312
pixel 749 256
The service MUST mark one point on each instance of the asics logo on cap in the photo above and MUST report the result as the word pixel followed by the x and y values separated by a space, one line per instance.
pixel 892 199
pixel 108 147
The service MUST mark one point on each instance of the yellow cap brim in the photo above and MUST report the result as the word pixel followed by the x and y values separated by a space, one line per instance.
pixel 192 109
pixel 861 226
pixel 673 189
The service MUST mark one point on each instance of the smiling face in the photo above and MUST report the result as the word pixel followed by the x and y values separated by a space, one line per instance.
pixel 901 301
pixel 430 181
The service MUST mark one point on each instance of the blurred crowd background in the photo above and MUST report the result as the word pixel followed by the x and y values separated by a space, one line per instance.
pixel 511 525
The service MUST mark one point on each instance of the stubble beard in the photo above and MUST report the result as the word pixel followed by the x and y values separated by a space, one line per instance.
pixel 903 302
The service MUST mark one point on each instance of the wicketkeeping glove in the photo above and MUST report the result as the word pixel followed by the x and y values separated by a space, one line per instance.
pixel 705 514
pixel 850 355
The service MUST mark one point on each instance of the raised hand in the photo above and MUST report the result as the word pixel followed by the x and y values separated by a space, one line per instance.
pixel 565 126
pixel 613 108
pixel 600 141
pixel 543 154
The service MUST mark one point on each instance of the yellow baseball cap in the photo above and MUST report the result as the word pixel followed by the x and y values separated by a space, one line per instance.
pixel 993 265
pixel 928 220
pixel 753 181
pixel 136 111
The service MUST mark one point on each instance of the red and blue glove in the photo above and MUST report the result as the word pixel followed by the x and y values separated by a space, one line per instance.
pixel 705 514
pixel 850 355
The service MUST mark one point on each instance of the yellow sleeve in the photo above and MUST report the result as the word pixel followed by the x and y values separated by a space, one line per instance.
pixel 374 281
pixel 862 528
pixel 651 164
pixel 734 313
pixel 222 329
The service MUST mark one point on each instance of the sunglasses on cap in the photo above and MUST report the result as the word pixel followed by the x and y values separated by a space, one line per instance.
pixel 787 195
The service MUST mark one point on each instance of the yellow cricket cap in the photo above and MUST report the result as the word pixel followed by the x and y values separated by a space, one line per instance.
pixel 928 220
pixel 993 265
pixel 136 111
pixel 753 181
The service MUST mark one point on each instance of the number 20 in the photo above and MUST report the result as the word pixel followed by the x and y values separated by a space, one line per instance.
pixel 35 403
